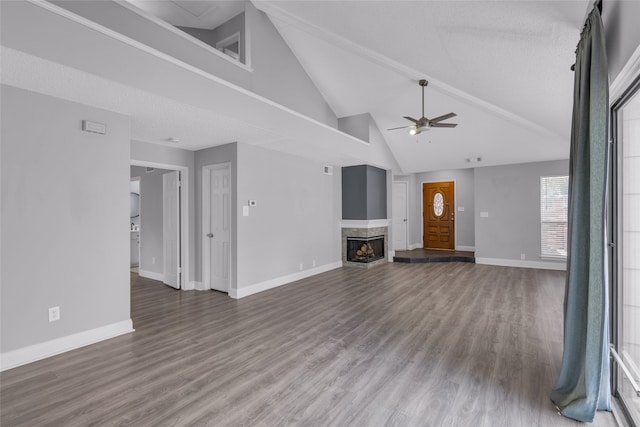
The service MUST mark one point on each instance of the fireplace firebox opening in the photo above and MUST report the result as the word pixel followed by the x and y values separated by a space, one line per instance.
pixel 365 249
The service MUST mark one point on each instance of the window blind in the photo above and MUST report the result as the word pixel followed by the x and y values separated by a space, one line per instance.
pixel 554 202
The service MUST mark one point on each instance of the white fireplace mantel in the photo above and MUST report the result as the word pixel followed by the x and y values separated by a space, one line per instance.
pixel 364 223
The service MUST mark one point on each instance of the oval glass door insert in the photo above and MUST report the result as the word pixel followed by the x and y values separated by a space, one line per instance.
pixel 438 204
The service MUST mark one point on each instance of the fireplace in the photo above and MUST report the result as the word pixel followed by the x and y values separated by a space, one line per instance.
pixel 364 243
pixel 365 249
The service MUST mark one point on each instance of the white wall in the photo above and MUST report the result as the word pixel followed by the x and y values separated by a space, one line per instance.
pixel 276 75
pixel 622 32
pixel 65 223
pixel 296 220
pixel 511 196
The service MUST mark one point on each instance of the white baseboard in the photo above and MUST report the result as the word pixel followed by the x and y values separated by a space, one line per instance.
pixel 414 246
pixel 24 355
pixel 151 275
pixel 199 286
pixel 466 248
pixel 542 265
pixel 390 255
pixel 283 280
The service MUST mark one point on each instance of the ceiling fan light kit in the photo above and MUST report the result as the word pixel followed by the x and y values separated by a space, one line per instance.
pixel 423 123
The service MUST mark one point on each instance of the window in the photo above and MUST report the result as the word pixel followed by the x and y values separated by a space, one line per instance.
pixel 554 203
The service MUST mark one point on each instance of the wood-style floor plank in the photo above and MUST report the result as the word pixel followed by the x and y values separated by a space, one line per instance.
pixel 452 344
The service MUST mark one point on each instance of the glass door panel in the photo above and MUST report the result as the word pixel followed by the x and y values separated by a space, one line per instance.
pixel 628 119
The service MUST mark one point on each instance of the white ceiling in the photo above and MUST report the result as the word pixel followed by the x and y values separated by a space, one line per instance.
pixel 189 13
pixel 502 66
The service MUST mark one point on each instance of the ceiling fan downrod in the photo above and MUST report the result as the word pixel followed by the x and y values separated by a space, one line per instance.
pixel 423 83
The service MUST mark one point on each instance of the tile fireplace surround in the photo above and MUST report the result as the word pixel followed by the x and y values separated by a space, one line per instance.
pixel 364 229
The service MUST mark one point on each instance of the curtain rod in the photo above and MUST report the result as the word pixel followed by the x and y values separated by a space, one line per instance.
pixel 596 3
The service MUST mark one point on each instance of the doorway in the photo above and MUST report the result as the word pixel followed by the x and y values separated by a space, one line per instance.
pixel 216 226
pixel 163 217
pixel 399 214
pixel 438 215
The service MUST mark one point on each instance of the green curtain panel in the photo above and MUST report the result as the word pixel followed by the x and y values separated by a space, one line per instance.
pixel 583 385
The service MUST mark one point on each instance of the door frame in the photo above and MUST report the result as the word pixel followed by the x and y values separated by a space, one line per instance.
pixel 455 204
pixel 406 229
pixel 206 203
pixel 139 179
pixel 185 277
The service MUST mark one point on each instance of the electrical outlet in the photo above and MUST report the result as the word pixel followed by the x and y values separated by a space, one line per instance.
pixel 54 314
pixel 153 260
pixel 301 266
pixel 523 256
pixel 313 264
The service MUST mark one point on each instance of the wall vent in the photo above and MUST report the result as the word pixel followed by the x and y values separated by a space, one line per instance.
pixel 327 170
pixel 149 170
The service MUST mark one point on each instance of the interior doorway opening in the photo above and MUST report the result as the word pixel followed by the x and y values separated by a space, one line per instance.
pixel 162 225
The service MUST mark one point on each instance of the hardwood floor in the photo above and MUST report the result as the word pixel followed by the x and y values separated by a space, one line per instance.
pixel 453 344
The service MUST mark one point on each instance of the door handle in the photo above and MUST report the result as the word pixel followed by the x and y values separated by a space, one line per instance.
pixel 210 235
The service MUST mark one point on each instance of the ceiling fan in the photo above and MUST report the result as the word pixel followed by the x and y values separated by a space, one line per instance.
pixel 424 123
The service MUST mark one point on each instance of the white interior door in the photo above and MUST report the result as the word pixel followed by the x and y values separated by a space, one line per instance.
pixel 216 226
pixel 171 228
pixel 399 215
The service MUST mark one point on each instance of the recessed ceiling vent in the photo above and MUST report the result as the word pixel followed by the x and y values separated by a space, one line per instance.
pixel 327 170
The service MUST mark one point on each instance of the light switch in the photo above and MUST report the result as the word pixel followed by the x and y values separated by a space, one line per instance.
pixel 460 208
pixel 484 214
pixel 245 211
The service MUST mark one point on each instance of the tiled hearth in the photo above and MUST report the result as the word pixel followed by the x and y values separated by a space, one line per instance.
pixel 368 234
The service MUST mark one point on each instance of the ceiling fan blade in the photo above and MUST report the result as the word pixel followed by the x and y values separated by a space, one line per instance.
pixel 443 125
pixel 401 127
pixel 443 117
pixel 411 119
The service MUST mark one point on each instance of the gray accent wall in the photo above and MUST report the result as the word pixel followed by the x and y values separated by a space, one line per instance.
pixel 65 219
pixel 364 193
pixel 511 196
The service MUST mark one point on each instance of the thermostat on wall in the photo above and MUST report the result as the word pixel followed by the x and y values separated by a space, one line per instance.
pixel 253 203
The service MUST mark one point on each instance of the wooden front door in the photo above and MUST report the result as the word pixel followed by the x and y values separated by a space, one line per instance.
pixel 438 215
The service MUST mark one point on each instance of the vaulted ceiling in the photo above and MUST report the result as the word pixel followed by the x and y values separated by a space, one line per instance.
pixel 502 66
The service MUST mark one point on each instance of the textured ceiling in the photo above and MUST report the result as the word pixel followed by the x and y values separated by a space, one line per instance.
pixel 195 14
pixel 502 66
